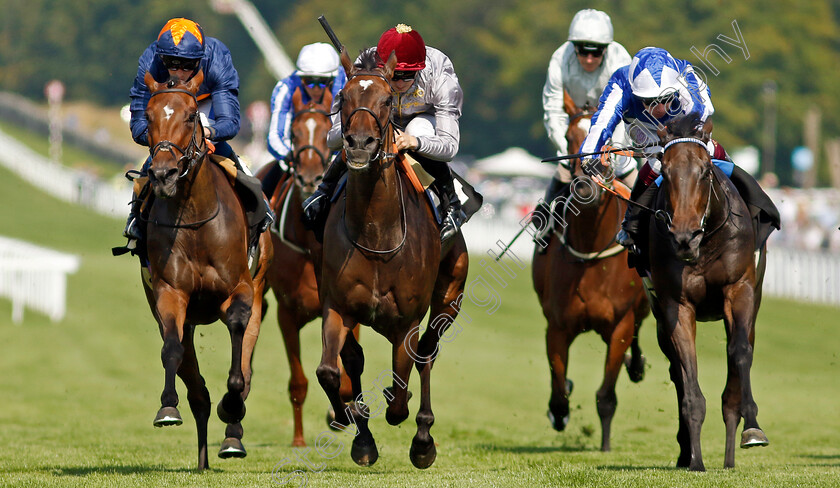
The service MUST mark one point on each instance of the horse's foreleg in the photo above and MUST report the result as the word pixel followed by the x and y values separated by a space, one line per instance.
pixel 298 384
pixel 170 310
pixel 364 451
pixel 663 335
pixel 333 336
pixel 237 313
pixel 739 318
pixel 397 395
pixel 197 395
pixel 423 451
pixel 617 343
pixel 693 405
pixel 557 343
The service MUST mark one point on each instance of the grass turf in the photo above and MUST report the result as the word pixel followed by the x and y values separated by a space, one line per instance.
pixel 80 395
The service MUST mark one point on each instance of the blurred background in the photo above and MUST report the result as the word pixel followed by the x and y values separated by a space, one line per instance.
pixel 65 72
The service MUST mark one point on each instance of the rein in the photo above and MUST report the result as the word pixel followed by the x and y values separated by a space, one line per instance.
pixel 404 222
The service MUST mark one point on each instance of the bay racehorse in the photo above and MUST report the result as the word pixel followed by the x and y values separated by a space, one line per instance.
pixel 198 262
pixel 383 267
pixel 583 283
pixel 292 274
pixel 703 266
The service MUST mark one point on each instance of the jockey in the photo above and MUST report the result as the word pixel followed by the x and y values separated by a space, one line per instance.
pixel 180 51
pixel 426 108
pixel 648 93
pixel 318 69
pixel 581 66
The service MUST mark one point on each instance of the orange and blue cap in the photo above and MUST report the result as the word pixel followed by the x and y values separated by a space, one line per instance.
pixel 181 38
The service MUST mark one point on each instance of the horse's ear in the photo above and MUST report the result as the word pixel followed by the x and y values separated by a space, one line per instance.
pixel 664 135
pixel 297 100
pixel 327 99
pixel 569 104
pixel 707 130
pixel 349 69
pixel 151 83
pixel 195 82
pixel 388 68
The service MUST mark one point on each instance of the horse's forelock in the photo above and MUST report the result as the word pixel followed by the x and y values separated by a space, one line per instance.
pixel 688 125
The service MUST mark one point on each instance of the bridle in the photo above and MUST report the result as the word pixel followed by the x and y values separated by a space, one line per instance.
pixel 668 220
pixel 297 151
pixel 381 154
pixel 193 153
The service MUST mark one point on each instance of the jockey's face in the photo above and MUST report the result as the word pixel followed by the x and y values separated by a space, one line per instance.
pixel 589 56
pixel 402 80
pixel 180 68
pixel 315 86
pixel 657 107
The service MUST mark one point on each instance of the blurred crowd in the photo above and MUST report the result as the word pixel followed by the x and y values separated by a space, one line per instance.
pixel 809 218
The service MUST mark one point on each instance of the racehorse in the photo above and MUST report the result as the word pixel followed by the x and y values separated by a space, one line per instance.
pixel 292 275
pixel 198 262
pixel 583 283
pixel 383 266
pixel 703 267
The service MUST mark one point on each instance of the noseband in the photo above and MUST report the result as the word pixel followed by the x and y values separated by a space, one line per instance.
pixel 381 154
pixel 297 151
pixel 191 154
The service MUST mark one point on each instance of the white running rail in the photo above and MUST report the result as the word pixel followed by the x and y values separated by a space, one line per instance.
pixel 35 277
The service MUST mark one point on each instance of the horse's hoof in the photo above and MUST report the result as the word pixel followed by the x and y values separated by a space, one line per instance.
pixel 228 416
pixel 232 448
pixel 167 416
pixel 753 438
pixel 636 372
pixel 561 426
pixel 364 455
pixel 422 456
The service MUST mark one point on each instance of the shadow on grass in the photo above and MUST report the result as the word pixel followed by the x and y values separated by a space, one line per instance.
pixel 535 449
pixel 118 470
pixel 614 467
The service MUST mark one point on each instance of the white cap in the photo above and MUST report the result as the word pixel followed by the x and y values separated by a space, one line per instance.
pixel 318 59
pixel 591 25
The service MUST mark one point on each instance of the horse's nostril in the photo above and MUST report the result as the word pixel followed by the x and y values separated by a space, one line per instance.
pixel 370 141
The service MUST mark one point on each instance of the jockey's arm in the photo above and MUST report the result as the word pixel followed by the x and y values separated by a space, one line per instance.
pixel 555 118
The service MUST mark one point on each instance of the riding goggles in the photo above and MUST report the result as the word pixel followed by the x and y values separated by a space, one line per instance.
pixel 404 75
pixel 316 82
pixel 175 63
pixel 596 50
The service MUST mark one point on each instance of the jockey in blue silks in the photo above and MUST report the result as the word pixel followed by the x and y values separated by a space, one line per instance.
pixel 648 93
pixel 180 51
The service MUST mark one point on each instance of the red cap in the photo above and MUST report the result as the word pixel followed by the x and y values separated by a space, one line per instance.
pixel 407 44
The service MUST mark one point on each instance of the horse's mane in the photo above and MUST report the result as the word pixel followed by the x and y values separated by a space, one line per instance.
pixel 368 60
pixel 688 125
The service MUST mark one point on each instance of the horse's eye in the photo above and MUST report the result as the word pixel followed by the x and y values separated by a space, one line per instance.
pixel 388 102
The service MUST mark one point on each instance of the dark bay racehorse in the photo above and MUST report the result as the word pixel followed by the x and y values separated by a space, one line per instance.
pixel 703 267
pixel 292 275
pixel 198 263
pixel 583 283
pixel 383 267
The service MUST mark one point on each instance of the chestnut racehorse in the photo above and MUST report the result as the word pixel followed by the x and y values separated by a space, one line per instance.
pixel 292 275
pixel 583 283
pixel 198 262
pixel 703 267
pixel 383 267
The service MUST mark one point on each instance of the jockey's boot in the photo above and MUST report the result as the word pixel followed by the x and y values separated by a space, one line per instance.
pixel 643 194
pixel 453 214
pixel 249 181
pixel 132 226
pixel 555 189
pixel 315 207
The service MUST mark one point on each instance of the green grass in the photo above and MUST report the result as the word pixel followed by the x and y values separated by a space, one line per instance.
pixel 79 396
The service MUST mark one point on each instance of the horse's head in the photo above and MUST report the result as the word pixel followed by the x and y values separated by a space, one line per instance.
pixel 585 191
pixel 366 109
pixel 176 138
pixel 688 177
pixel 310 153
